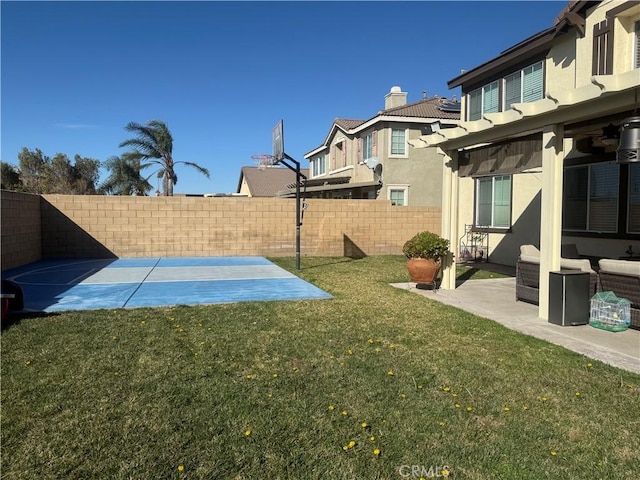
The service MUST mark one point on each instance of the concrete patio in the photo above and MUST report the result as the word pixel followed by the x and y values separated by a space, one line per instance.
pixel 621 349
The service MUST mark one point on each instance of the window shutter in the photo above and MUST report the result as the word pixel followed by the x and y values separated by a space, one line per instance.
pixel 532 83
pixel 602 62
pixel 374 142
pixel 344 152
pixel 360 150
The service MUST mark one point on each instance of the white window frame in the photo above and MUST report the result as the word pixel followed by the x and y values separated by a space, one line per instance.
pixel 405 154
pixel 403 188
pixel 367 146
pixel 318 162
pixel 476 213
pixel 483 92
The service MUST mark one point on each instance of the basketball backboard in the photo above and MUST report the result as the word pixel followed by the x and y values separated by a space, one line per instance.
pixel 278 142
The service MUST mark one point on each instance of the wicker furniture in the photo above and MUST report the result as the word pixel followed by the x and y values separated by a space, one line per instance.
pixel 622 277
pixel 528 273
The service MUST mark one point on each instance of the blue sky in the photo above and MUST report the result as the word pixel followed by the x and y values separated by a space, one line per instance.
pixel 222 74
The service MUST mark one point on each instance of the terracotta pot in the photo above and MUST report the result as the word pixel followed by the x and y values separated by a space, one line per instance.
pixel 423 270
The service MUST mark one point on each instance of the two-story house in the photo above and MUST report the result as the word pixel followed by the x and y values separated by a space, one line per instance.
pixel 534 160
pixel 372 159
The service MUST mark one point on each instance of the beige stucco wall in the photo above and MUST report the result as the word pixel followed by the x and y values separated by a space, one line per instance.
pixel 560 65
pixel 504 248
pixel 623 36
pixel 102 226
pixel 20 224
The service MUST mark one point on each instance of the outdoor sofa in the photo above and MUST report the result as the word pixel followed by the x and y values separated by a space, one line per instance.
pixel 528 272
pixel 622 277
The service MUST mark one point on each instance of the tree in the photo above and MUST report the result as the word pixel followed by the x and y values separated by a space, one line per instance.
pixel 153 142
pixel 125 178
pixel 41 174
pixel 10 177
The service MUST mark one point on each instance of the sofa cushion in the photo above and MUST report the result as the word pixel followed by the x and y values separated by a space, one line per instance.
pixel 576 264
pixel 529 253
pixel 620 266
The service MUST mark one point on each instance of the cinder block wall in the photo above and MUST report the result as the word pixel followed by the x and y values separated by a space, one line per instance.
pixel 103 226
pixel 20 226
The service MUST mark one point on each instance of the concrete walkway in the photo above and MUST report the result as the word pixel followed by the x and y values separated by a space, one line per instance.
pixel 495 299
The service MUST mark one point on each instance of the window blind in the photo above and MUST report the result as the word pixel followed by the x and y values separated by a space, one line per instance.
pixel 490 98
pixel 475 105
pixel 603 197
pixel 532 83
pixel 512 90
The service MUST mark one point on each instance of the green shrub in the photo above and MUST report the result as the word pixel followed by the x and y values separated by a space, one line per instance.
pixel 426 245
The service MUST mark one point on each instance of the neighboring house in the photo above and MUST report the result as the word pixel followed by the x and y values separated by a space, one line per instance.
pixel 534 161
pixel 372 159
pixel 266 182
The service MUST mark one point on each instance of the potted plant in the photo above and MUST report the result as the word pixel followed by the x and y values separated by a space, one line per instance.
pixel 424 253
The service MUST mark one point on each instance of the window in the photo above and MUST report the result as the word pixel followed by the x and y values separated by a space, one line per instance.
pixel 399 195
pixel 320 165
pixel 398 141
pixel 523 86
pixel 483 100
pixel 367 147
pixel 493 201
pixel 591 198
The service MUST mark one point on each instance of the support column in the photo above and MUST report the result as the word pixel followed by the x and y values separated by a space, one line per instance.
pixel 551 210
pixel 450 202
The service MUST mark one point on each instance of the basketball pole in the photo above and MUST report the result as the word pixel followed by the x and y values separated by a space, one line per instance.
pixel 299 176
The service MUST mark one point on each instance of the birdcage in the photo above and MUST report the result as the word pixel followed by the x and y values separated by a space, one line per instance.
pixel 608 312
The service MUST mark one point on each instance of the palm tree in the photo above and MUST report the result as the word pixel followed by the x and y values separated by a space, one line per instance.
pixel 153 142
pixel 125 178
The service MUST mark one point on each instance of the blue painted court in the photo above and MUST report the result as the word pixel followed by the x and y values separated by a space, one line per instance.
pixel 56 285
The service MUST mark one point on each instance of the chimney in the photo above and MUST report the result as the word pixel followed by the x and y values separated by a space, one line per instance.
pixel 395 98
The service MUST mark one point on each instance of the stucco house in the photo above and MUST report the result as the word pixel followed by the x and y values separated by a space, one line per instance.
pixel 372 159
pixel 534 159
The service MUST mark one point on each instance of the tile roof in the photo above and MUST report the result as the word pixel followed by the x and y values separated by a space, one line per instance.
pixel 348 124
pixel 426 108
pixel 268 182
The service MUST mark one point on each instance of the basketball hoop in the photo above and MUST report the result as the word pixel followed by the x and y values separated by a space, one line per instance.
pixel 263 160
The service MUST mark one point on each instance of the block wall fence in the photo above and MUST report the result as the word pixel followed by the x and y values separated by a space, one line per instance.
pixel 88 226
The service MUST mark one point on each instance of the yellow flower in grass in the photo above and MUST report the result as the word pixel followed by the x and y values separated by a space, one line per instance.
pixel 181 468
pixel 275 375
pixel 553 453
pixel 589 365
pixel 577 394
pixel 544 399
pixel 525 408
pixel 350 352
pixel 331 407
pixel 345 447
pixel 442 424
pixel 457 405
pixel 506 409
pixel 390 373
pixel 454 394
pixel 371 341
pixel 376 451
pixel 352 444
pixel 447 388
pixel 469 409
pixel 345 413
pixel 419 387
pixel 364 425
pixel 372 438
pixel 445 472
pixel 247 433
pixel 28 362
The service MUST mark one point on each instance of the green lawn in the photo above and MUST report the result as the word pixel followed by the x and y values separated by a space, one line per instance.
pixel 309 390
